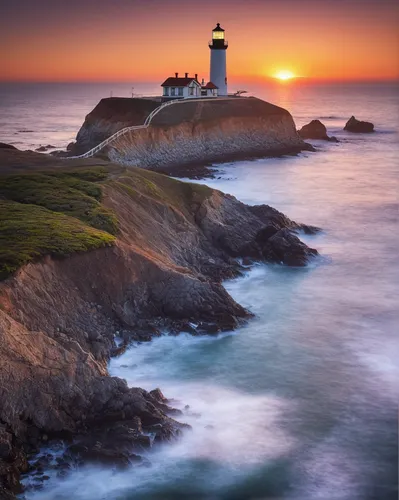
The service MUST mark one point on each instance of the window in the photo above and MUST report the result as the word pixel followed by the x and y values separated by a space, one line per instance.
pixel 218 35
pixel 180 91
pixel 166 91
pixel 173 91
pixel 191 90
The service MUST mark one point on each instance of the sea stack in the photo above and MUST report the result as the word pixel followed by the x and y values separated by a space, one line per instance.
pixel 359 127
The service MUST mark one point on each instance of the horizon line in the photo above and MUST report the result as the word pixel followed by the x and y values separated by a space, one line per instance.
pixel 247 79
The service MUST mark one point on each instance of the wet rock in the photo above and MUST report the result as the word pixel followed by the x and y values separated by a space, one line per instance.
pixel 359 127
pixel 308 229
pixel 247 261
pixel 157 394
pixel 266 233
pixel 287 248
pixel 314 130
pixel 107 456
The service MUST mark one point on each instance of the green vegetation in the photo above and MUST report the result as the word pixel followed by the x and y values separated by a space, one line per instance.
pixel 179 195
pixel 59 211
pixel 55 212
pixel 72 192
pixel 28 232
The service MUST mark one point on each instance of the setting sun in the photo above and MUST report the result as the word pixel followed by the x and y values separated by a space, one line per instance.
pixel 284 75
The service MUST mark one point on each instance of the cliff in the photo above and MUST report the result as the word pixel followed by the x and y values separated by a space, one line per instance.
pixel 191 131
pixel 109 116
pixel 167 247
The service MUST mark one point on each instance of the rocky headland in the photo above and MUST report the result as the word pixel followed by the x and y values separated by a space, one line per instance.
pixel 189 132
pixel 90 253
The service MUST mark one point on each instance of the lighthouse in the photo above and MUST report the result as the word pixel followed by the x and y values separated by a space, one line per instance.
pixel 218 46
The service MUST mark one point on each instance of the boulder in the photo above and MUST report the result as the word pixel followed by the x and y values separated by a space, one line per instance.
pixel 315 130
pixel 359 127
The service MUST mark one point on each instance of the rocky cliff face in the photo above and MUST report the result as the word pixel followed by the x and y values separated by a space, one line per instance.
pixel 190 132
pixel 109 116
pixel 59 316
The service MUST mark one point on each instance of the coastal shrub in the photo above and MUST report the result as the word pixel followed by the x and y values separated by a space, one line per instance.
pixel 73 193
pixel 28 232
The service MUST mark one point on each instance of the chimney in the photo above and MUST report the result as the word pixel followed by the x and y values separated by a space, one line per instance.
pixel 203 82
pixel 186 75
pixel 196 76
pixel 177 75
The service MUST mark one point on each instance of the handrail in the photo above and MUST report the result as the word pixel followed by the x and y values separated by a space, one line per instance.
pixel 146 124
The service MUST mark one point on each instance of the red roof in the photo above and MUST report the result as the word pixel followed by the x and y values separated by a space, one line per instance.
pixel 210 85
pixel 177 82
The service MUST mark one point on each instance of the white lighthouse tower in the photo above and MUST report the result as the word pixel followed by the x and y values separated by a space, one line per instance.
pixel 218 46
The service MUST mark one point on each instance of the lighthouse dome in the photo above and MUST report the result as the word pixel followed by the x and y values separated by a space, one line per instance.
pixel 218 28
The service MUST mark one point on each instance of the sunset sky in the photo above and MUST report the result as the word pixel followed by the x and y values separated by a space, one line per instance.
pixel 148 40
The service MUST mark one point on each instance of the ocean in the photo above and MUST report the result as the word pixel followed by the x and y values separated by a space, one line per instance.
pixel 301 402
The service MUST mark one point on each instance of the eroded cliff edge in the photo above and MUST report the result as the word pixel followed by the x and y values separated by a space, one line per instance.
pixel 190 131
pixel 160 269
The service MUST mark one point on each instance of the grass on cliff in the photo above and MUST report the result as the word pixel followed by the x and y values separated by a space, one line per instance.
pixel 59 211
pixel 180 195
pixel 54 212
pixel 28 232
pixel 72 192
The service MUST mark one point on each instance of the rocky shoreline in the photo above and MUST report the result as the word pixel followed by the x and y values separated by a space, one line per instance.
pixel 60 315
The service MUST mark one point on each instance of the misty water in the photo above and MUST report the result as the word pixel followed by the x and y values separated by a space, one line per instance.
pixel 301 402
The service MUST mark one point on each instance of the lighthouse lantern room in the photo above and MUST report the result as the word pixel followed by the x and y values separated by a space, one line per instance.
pixel 218 46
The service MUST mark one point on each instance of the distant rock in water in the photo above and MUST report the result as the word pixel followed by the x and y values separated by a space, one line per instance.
pixel 357 126
pixel 3 145
pixel 190 131
pixel 316 130
pixel 41 149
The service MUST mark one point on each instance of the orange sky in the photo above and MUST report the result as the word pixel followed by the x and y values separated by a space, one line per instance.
pixel 148 40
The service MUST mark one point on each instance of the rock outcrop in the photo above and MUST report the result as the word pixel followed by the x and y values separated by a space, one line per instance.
pixel 109 116
pixel 316 130
pixel 357 126
pixel 192 131
pixel 59 316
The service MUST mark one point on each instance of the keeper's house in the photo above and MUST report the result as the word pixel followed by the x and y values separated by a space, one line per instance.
pixel 179 87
